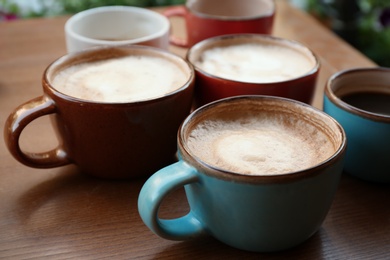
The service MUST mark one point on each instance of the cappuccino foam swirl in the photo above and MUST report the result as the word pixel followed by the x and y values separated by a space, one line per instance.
pixel 125 79
pixel 258 148
pixel 259 63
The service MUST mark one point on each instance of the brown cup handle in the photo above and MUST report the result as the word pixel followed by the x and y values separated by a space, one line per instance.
pixel 181 12
pixel 18 120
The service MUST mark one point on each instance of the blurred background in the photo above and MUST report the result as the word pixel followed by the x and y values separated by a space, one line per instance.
pixel 365 24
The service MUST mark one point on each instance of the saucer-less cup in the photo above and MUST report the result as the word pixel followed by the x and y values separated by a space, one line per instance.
pixel 205 19
pixel 256 211
pixel 252 64
pixel 116 25
pixel 360 100
pixel 108 138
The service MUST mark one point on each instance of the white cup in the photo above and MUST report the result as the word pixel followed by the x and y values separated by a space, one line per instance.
pixel 116 25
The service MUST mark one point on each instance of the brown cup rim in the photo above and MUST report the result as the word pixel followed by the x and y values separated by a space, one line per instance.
pixel 207 169
pixel 232 18
pixel 114 51
pixel 329 92
pixel 282 41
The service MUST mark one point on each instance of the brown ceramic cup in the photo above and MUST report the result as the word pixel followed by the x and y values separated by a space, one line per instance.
pixel 108 139
pixel 253 64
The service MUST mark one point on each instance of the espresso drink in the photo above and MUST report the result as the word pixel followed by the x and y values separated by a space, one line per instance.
pixel 266 143
pixel 260 62
pixel 121 79
pixel 374 102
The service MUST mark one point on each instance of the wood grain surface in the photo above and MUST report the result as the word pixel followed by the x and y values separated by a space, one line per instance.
pixel 62 214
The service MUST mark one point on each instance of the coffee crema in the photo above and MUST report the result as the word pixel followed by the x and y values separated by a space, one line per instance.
pixel 123 79
pixel 255 62
pixel 257 145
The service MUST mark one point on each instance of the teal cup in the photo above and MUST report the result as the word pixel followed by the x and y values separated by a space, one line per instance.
pixel 359 99
pixel 259 173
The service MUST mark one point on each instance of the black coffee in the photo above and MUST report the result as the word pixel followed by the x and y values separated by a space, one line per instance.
pixel 374 102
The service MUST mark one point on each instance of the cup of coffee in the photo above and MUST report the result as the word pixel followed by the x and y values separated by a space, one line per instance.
pixel 252 64
pixel 116 25
pixel 360 100
pixel 259 173
pixel 205 19
pixel 116 111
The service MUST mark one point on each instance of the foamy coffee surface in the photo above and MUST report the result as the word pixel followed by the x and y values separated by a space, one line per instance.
pixel 124 79
pixel 259 146
pixel 257 63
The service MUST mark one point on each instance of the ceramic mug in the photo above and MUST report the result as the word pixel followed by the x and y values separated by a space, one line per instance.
pixel 252 64
pixel 259 173
pixel 116 25
pixel 360 100
pixel 205 19
pixel 105 125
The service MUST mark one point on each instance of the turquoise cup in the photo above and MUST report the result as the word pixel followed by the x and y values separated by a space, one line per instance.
pixel 260 212
pixel 359 99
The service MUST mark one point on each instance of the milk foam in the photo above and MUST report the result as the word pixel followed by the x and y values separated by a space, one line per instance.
pixel 259 63
pixel 257 147
pixel 125 79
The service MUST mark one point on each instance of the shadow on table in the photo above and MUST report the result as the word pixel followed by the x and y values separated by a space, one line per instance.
pixel 213 249
pixel 360 219
pixel 71 200
pixel 103 214
pixel 69 185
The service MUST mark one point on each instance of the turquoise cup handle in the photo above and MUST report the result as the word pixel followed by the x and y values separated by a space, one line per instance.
pixel 155 189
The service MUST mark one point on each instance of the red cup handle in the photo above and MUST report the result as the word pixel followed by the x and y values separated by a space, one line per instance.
pixel 18 120
pixel 179 11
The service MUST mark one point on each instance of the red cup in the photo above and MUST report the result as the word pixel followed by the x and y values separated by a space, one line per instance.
pixel 112 140
pixel 205 19
pixel 295 85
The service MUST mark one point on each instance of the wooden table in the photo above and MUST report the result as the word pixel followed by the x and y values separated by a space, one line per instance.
pixel 62 214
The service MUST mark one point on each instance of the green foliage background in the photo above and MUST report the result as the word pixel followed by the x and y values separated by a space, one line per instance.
pixel 58 7
pixel 357 21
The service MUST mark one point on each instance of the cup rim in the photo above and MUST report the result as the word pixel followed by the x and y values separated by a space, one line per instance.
pixel 117 8
pixel 232 18
pixel 210 41
pixel 329 93
pixel 219 173
pixel 61 60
